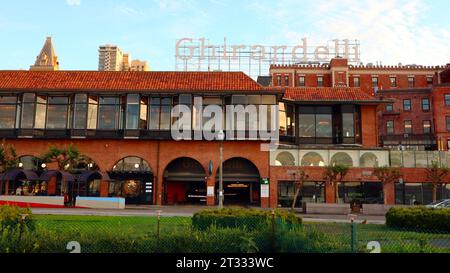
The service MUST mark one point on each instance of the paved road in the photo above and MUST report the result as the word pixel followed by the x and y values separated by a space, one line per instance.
pixel 169 211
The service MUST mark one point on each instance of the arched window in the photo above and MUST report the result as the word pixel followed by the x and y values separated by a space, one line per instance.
pixel 28 162
pixel 368 160
pixel 84 164
pixel 285 159
pixel 313 159
pixel 132 164
pixel 341 158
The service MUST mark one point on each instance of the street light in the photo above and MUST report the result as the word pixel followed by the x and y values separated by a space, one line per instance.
pixel 221 137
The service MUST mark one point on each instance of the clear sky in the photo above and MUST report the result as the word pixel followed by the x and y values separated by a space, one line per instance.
pixel 414 31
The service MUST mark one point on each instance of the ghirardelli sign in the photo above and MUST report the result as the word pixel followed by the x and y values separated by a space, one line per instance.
pixel 190 49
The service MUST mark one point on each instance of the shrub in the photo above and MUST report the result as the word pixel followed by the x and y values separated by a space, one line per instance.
pixel 249 219
pixel 13 216
pixel 419 218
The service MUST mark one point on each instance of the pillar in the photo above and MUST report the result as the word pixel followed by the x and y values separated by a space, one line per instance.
pixel 7 187
pixel 51 187
pixel 389 194
pixel 330 196
pixel 159 190
pixel 104 188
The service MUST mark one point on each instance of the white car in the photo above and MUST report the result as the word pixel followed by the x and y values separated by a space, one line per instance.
pixel 445 203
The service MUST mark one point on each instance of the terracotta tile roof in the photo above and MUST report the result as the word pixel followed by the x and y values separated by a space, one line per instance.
pixel 127 81
pixel 328 94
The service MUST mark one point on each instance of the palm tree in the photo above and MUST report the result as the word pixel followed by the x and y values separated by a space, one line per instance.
pixel 64 157
pixel 436 174
pixel 334 175
pixel 387 175
pixel 8 157
pixel 298 184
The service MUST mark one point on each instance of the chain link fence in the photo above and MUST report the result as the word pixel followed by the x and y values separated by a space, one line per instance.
pixel 157 234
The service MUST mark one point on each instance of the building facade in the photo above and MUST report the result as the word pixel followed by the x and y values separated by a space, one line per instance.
pixel 110 58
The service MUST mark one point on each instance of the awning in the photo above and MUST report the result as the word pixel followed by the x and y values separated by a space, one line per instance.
pixel 46 176
pixel 90 175
pixel 13 174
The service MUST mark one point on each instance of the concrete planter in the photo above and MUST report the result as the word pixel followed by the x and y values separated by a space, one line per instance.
pixel 323 208
pixel 378 209
pixel 100 202
pixel 33 201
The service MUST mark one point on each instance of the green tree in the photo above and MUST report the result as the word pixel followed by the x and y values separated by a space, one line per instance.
pixel 387 176
pixel 334 175
pixel 298 185
pixel 436 175
pixel 65 157
pixel 8 157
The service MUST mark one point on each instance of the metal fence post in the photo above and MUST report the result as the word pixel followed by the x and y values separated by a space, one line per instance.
pixel 158 223
pixel 273 230
pixel 353 230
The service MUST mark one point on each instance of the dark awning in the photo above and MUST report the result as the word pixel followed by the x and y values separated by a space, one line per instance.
pixel 13 174
pixel 46 176
pixel 90 175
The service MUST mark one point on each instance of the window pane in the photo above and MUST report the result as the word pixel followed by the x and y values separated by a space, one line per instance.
pixel 107 117
pixel 282 121
pixel 426 126
pixel 253 99
pixel 8 109
pixel 143 114
pixel 92 112
pixel 165 117
pixel 132 111
pixel 348 124
pixel 154 114
pixel 57 113
pixel 307 125
pixel 28 111
pixel 408 127
pixel 324 125
pixel 390 127
pixel 239 99
pixel 40 112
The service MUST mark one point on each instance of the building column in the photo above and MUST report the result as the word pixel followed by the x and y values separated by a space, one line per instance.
pixel 211 182
pixel 6 188
pixel 273 193
pixel 330 197
pixel 389 194
pixel 104 188
pixel 51 186
pixel 159 191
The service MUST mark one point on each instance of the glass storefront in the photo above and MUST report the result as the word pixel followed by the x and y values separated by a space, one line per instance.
pixel 361 192
pixel 419 193
pixel 311 192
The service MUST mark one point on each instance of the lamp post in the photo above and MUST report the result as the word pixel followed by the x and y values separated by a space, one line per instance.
pixel 221 137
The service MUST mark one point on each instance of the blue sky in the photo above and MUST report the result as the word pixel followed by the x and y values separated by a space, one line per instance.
pixel 393 31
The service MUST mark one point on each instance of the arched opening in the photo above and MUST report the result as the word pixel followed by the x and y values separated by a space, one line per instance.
pixel 59 182
pixel 20 182
pixel 312 159
pixel 29 162
pixel 341 158
pixel 368 160
pixel 184 182
pixel 241 182
pixel 132 179
pixel 285 159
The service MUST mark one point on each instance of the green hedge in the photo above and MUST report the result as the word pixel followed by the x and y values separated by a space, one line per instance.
pixel 419 218
pixel 13 216
pixel 249 219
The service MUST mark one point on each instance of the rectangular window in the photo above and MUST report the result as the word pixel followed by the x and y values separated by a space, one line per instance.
pixel 80 111
pixel 425 104
pixel 426 126
pixel 28 106
pixel 429 81
pixel 301 81
pixel 390 127
pixel 143 113
pixel 92 113
pixel 286 80
pixel 374 82
pixel 407 105
pixel 166 104
pixel 155 105
pixel 57 112
pixel 8 109
pixel 132 116
pixel 307 122
pixel 324 119
pixel 447 120
pixel 356 82
pixel 411 82
pixel 286 119
pixel 41 112
pixel 408 127
pixel 447 100
pixel 389 107
pixel 320 81
pixel 348 124
pixel 393 81
pixel 108 113
pixel 278 80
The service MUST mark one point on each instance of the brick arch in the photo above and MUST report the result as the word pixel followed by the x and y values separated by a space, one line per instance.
pixel 188 157
pixel 122 156
pixel 239 157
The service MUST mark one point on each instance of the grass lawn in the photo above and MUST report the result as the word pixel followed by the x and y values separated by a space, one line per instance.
pixel 391 240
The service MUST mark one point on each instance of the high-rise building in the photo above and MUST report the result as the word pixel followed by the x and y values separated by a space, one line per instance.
pixel 110 58
pixel 137 65
pixel 47 59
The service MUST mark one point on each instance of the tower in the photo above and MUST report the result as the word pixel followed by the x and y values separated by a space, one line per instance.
pixel 47 59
